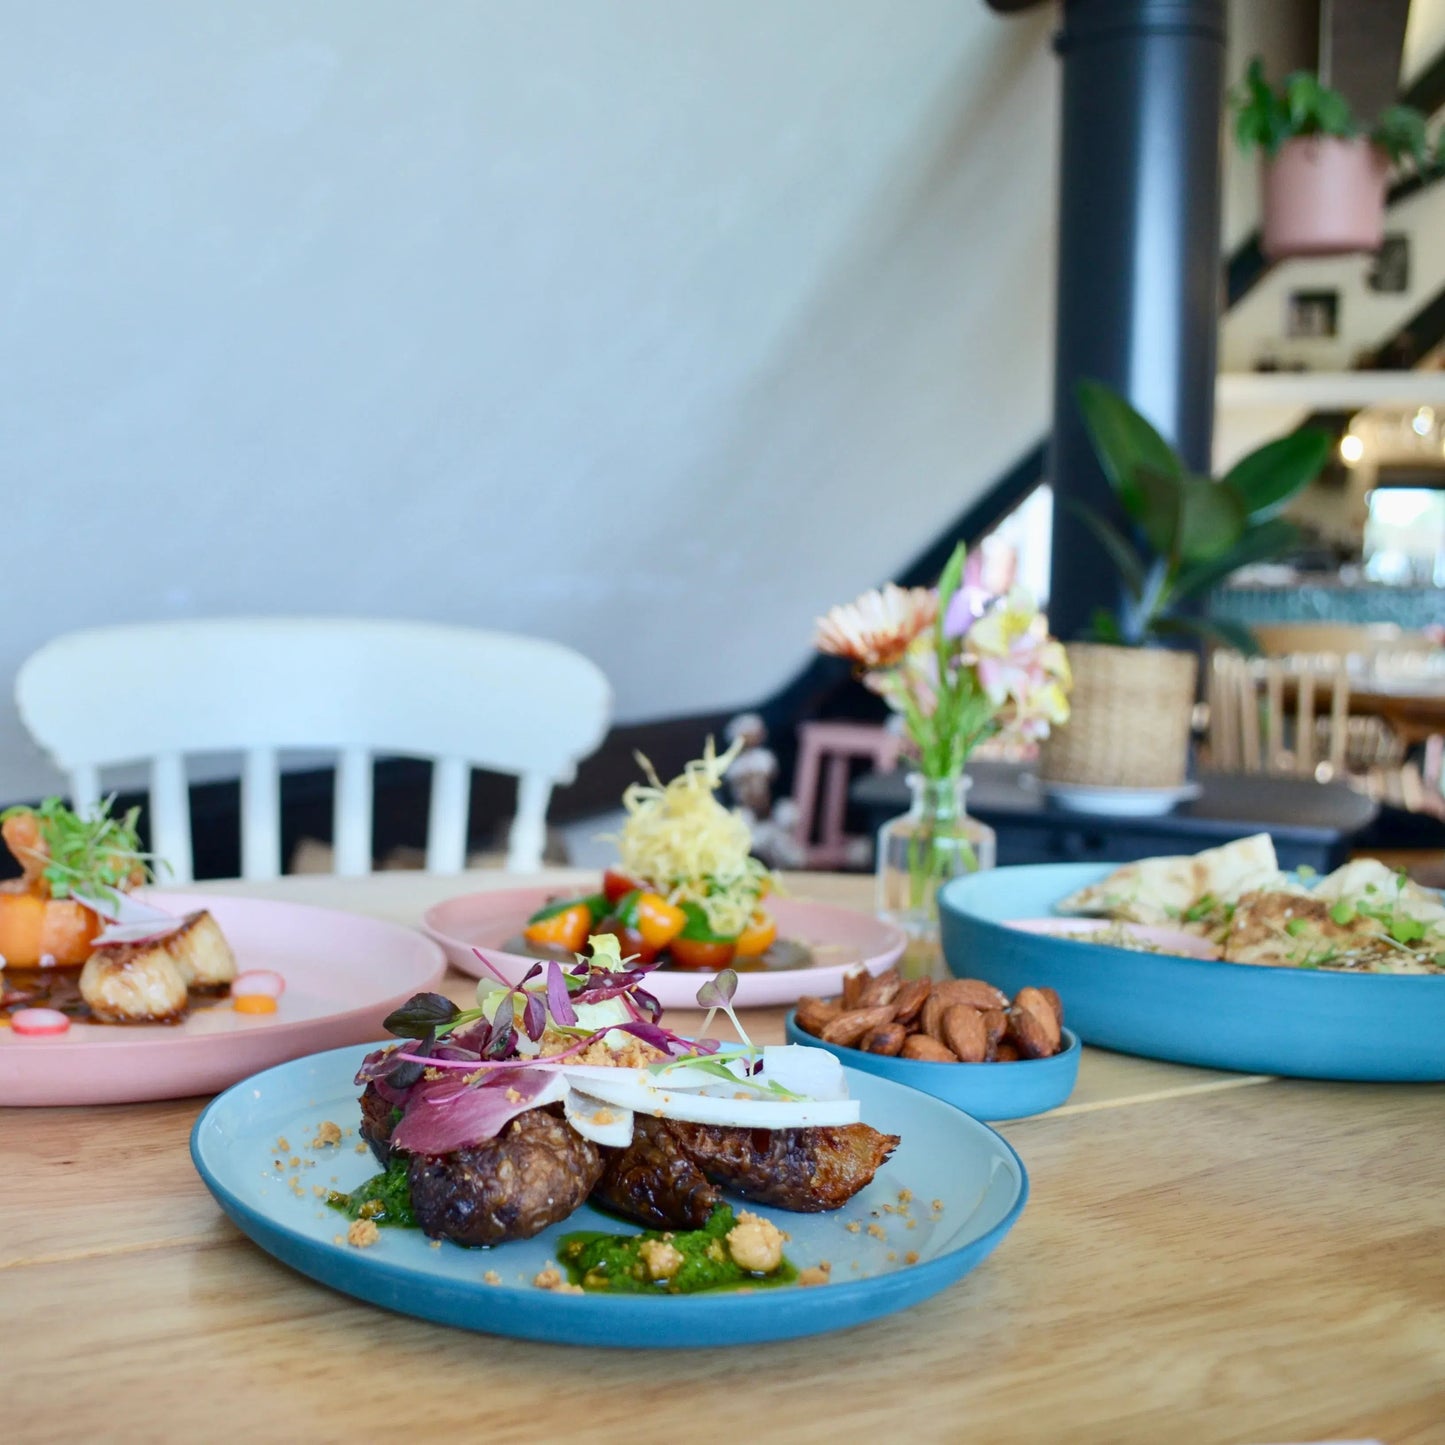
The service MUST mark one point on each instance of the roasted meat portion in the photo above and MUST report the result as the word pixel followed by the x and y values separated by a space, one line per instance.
pixel 378 1119
pixel 655 1180
pixel 805 1170
pixel 538 1170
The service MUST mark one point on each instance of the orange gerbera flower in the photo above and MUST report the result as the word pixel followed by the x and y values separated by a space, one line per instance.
pixel 877 629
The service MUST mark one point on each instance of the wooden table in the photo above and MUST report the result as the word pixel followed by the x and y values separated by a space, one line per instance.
pixel 1205 1257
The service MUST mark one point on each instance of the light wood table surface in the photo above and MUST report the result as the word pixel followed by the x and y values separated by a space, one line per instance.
pixel 1205 1258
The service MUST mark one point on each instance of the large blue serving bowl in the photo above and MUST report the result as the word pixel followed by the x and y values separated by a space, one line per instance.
pixel 1308 1023
pixel 991 1092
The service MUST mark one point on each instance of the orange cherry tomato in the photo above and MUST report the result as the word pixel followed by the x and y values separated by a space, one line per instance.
pixel 567 928
pixel 701 953
pixel 617 885
pixel 657 920
pixel 254 1003
pixel 759 936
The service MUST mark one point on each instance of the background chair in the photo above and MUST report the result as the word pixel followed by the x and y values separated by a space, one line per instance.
pixel 836 745
pixel 464 698
pixel 1292 715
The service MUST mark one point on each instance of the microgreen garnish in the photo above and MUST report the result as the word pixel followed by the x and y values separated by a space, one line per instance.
pixel 421 1015
pixel 717 993
pixel 95 856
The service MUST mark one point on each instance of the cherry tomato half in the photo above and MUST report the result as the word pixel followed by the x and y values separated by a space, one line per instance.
pixel 759 936
pixel 565 928
pixel 711 954
pixel 616 884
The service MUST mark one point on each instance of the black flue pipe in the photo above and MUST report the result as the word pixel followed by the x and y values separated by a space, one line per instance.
pixel 1139 259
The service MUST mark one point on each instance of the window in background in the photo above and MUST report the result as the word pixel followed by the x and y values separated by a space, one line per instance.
pixel 1405 535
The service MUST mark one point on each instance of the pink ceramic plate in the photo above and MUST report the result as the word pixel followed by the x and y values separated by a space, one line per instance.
pixel 838 939
pixel 343 975
pixel 1169 940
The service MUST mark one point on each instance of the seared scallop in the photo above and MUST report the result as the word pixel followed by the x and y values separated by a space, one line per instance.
pixel 201 952
pixel 132 983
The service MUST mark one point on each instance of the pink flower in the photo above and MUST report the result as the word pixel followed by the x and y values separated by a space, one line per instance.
pixel 877 629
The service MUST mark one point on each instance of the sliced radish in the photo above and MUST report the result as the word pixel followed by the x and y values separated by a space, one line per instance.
pixel 258 981
pixel 39 1022
pixel 143 932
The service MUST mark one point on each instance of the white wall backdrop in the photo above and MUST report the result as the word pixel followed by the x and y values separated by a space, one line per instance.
pixel 652 326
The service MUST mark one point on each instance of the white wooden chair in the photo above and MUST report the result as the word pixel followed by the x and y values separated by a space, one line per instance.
pixel 461 697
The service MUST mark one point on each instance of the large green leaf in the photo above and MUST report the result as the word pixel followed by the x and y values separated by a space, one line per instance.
pixel 1260 543
pixel 1123 556
pixel 1211 519
pixel 1269 476
pixel 1161 509
pixel 1219 630
pixel 1124 442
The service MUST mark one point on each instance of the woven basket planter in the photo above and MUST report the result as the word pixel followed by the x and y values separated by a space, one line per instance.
pixel 1130 712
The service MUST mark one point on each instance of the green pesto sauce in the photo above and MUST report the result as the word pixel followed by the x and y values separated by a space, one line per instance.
pixel 385 1198
pixel 613 1263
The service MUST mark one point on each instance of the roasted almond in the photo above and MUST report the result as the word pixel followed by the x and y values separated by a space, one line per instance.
pixel 815 1014
pixel 930 1016
pixel 1006 1053
pixel 881 988
pixel 971 991
pixel 1034 1001
pixel 1030 1034
pixel 910 999
pixel 853 984
pixel 1055 1003
pixel 852 1024
pixel 964 1033
pixel 995 1026
pixel 927 1050
pixel 889 1039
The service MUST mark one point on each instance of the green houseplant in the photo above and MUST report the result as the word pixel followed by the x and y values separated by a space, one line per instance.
pixel 1183 535
pixel 1325 173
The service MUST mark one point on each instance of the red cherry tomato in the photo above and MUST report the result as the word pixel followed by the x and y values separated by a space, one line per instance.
pixel 616 884
pixel 701 953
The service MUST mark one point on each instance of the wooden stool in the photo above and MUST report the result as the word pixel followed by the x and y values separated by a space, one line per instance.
pixel 837 744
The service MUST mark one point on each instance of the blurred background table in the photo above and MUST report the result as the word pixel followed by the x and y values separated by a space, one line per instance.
pixel 1312 823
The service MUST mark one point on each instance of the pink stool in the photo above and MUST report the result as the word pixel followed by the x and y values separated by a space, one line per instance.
pixel 837 744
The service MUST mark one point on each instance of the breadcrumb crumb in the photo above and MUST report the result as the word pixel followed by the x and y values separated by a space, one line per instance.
pixel 755 1243
pixel 854 1227
pixel 551 1279
pixel 363 1233
pixel 491 1277
pixel 877 1231
pixel 911 1257
pixel 662 1259
pixel 326 1133
pixel 283 1146
pixel 817 1274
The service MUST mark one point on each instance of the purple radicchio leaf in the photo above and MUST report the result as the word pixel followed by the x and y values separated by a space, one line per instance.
pixel 445 1115
pixel 558 1004
pixel 647 1004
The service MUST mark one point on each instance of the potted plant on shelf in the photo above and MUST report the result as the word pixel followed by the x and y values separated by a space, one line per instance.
pixel 957 665
pixel 1325 175
pixel 1133 698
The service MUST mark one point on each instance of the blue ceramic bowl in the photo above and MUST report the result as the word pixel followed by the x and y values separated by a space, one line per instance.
pixel 987 1091
pixel 1307 1023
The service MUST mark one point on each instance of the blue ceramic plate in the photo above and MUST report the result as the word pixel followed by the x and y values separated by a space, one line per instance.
pixel 987 1091
pixel 944 1155
pixel 1309 1023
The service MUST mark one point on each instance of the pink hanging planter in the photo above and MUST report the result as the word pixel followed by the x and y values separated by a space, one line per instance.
pixel 1324 196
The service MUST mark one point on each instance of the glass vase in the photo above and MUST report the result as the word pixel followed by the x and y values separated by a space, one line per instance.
pixel 935 840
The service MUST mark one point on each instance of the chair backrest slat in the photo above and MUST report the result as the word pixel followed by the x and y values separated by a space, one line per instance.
pixel 352 811
pixel 467 697
pixel 260 814
pixel 446 836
